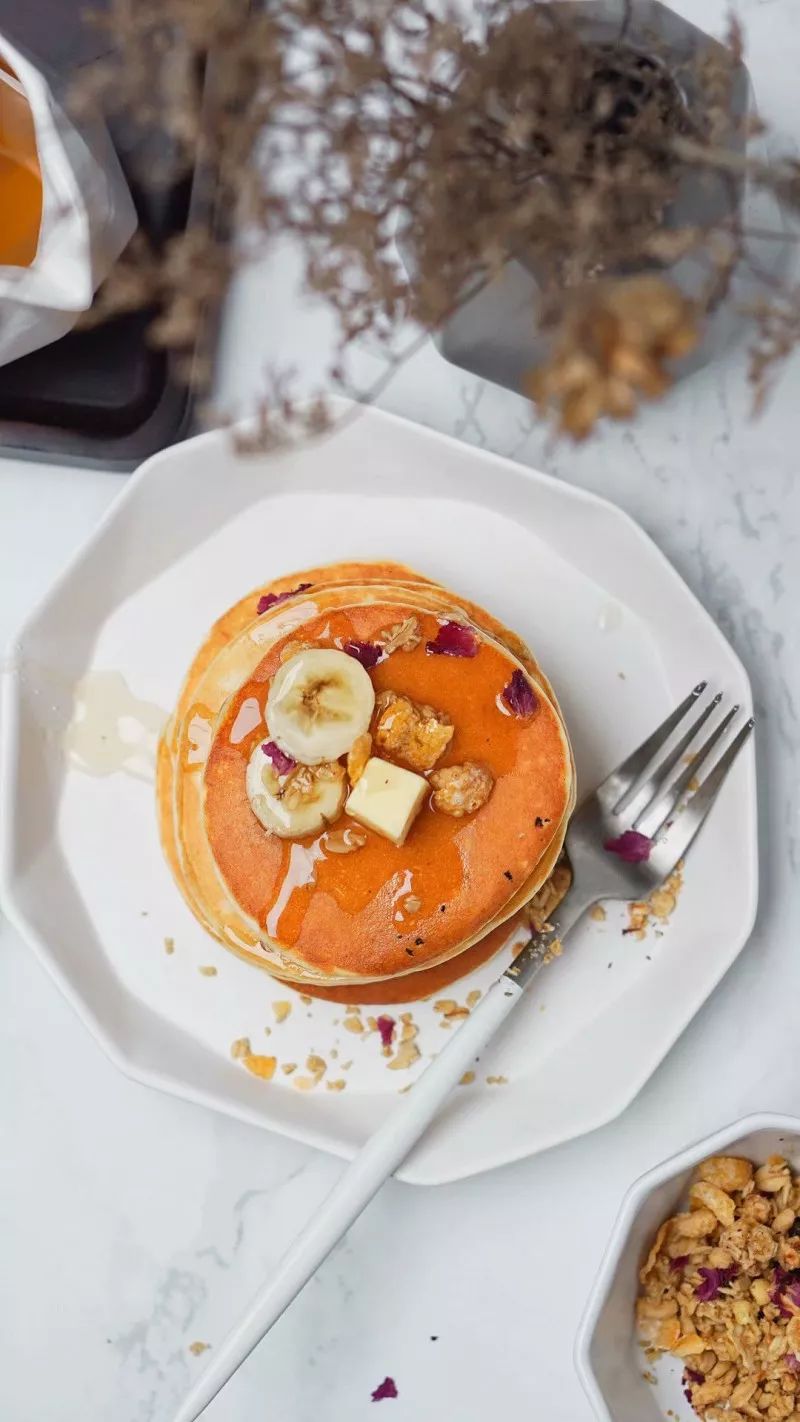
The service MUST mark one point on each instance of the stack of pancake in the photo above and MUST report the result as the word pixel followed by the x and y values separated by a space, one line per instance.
pixel 364 778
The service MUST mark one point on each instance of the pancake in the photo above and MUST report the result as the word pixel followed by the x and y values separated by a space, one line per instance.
pixel 331 919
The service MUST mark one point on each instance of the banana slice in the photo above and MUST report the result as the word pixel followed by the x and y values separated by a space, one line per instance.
pixel 306 800
pixel 320 700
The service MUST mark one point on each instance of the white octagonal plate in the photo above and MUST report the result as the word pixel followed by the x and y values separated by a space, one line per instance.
pixel 198 526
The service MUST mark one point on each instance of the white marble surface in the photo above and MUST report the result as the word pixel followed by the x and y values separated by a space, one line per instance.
pixel 133 1225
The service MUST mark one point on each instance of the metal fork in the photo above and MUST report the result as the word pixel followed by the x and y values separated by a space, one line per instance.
pixel 641 796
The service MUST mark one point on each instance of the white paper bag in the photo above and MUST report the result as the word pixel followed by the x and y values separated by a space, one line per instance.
pixel 87 218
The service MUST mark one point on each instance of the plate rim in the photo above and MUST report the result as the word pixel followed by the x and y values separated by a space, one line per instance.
pixel 421 1168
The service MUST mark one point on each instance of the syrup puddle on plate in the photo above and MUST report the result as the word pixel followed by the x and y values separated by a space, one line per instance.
pixel 111 729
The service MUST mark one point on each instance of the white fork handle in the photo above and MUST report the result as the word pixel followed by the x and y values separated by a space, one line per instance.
pixel 378 1159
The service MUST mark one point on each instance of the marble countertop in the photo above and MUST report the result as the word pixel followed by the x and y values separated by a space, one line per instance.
pixel 135 1225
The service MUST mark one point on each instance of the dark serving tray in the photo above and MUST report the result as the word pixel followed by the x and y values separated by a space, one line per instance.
pixel 101 396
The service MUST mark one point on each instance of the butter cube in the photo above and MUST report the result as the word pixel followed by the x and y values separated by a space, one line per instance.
pixel 386 798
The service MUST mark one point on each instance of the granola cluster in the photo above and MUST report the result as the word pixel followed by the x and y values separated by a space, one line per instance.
pixel 721 1290
pixel 416 734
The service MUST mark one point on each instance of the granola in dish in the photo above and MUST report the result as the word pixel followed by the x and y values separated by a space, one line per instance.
pixel 721 1291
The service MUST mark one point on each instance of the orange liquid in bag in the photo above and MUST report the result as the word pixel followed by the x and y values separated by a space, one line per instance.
pixel 20 176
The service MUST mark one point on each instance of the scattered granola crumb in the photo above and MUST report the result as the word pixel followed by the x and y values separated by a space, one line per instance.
pixel 650 1378
pixel 467 1079
pixel 659 905
pixel 305 999
pixel 288 1067
pixel 260 1066
pixel 267 1031
pixel 281 1010
pixel 198 1348
pixel 554 951
pixel 408 1032
pixel 334 1054
pixel 450 1009
pixel 207 970
pixel 316 1065
pixel 305 1083
pixel 497 1081
pixel 598 913
pixel 473 998
pixel 353 1024
pixel 405 1056
pixel 338 1085
pixel 169 945
pixel 240 1048
pixel 346 1065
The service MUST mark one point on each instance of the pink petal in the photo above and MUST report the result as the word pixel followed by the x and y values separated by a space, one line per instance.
pixel 388 1388
pixel 283 763
pixel 631 846
pixel 272 599
pixel 367 653
pixel 519 696
pixel 386 1028
pixel 453 640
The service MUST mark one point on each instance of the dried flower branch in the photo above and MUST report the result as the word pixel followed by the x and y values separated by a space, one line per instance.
pixel 359 126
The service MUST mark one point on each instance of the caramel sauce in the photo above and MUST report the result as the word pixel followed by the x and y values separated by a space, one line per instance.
pixel 342 907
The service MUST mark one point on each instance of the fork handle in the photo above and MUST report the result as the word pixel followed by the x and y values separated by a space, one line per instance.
pixel 375 1162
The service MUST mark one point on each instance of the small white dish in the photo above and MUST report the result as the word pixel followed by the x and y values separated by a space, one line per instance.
pixel 608 1356
pixel 82 871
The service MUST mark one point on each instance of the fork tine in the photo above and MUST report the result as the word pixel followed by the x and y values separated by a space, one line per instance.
pixel 673 845
pixel 625 776
pixel 635 801
pixel 659 810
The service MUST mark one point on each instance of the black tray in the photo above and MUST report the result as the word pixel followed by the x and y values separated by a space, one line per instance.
pixel 103 396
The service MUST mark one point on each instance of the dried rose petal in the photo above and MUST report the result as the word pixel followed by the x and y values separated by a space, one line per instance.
pixel 793 1294
pixel 713 1280
pixel 792 1362
pixel 386 1028
pixel 519 696
pixel 692 1375
pixel 453 640
pixel 680 1263
pixel 283 763
pixel 367 653
pixel 272 599
pixel 631 846
pixel 388 1388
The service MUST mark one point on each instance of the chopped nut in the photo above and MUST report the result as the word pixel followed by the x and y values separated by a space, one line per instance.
pixel 461 789
pixel 344 841
pixel 305 1083
pixel 418 735
pixel 240 1048
pixel 406 1055
pixel 405 636
pixel 301 785
pixel 260 1066
pixel 281 1010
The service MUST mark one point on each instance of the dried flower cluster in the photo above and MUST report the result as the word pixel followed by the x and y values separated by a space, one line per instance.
pixel 357 126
